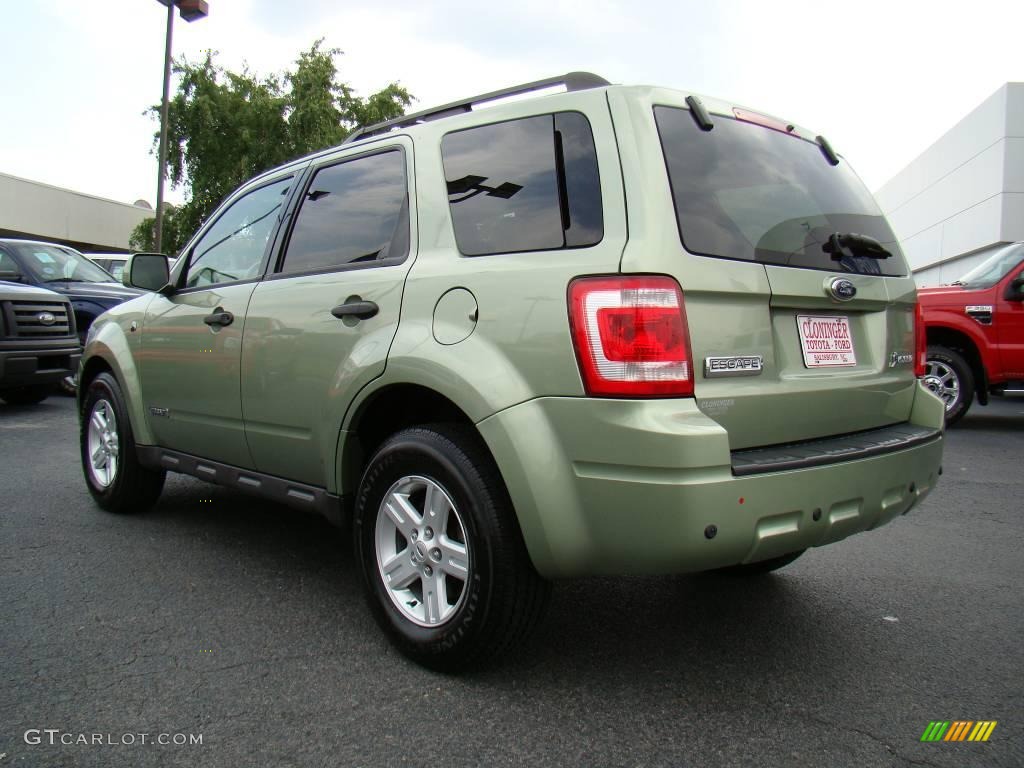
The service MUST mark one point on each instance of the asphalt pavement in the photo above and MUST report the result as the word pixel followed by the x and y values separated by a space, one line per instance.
pixel 242 622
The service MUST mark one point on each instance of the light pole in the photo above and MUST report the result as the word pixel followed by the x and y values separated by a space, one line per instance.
pixel 190 10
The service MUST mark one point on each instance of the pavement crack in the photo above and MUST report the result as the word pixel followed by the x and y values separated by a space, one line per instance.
pixel 877 739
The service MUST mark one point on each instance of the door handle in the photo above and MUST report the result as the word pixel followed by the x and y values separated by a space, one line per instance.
pixel 220 317
pixel 359 309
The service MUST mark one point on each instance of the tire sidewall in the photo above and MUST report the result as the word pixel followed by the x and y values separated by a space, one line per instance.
pixel 421 453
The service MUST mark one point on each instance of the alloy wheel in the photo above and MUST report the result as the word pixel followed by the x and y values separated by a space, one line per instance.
pixel 422 551
pixel 103 444
pixel 941 379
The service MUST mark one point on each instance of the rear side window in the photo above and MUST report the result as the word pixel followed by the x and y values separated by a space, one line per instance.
pixel 524 185
pixel 354 212
pixel 744 191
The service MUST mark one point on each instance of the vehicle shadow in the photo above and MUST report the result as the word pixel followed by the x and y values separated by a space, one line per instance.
pixel 990 422
pixel 299 544
pixel 45 408
pixel 701 628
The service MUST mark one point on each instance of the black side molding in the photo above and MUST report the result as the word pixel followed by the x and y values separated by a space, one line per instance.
pixel 296 495
pixel 831 450
pixel 699 113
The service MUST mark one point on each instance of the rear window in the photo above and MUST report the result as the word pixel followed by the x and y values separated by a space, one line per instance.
pixel 524 185
pixel 743 191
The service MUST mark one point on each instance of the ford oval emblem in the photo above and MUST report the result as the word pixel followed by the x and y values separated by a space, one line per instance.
pixel 45 318
pixel 842 289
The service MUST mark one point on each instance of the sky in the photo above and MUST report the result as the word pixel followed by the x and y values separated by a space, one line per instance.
pixel 881 80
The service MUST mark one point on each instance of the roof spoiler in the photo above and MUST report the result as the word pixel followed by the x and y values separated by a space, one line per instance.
pixel 573 81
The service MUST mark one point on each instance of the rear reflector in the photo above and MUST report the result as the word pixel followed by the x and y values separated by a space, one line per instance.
pixel 920 342
pixel 631 336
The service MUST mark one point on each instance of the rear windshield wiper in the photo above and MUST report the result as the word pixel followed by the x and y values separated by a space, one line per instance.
pixel 852 244
pixel 958 282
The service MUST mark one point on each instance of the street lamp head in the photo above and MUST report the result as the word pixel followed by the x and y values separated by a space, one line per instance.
pixel 191 10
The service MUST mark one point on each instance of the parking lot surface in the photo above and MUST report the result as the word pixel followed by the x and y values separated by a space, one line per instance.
pixel 225 616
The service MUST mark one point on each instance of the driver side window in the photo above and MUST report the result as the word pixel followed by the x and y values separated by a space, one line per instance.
pixel 232 249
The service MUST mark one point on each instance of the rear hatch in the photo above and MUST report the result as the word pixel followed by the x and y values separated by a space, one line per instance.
pixel 798 298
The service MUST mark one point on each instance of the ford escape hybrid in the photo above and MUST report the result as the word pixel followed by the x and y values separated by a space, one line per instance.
pixel 612 330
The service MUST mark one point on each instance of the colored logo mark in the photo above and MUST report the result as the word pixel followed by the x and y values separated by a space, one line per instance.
pixel 958 730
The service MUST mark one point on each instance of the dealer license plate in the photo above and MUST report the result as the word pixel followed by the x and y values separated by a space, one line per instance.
pixel 826 341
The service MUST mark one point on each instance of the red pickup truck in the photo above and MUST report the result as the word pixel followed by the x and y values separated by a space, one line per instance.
pixel 975 330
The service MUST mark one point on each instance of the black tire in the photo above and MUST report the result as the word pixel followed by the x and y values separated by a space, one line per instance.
pixel 134 488
pixel 29 395
pixel 503 597
pixel 947 367
pixel 763 566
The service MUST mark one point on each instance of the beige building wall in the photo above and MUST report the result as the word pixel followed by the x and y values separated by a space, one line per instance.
pixel 963 197
pixel 39 211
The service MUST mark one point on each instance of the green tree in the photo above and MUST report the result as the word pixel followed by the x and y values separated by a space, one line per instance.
pixel 224 127
pixel 142 237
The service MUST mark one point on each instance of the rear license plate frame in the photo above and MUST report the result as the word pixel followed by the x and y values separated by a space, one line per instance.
pixel 826 341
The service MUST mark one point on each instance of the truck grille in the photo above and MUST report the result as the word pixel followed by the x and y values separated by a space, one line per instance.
pixel 26 319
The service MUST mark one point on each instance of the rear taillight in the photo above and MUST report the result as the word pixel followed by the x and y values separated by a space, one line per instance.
pixel 920 342
pixel 631 337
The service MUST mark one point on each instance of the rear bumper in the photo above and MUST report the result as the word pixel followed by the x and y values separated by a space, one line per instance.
pixel 38 364
pixel 631 487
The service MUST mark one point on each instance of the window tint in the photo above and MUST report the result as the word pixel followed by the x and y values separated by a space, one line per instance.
pixel 232 249
pixel 743 191
pixel 524 185
pixel 356 211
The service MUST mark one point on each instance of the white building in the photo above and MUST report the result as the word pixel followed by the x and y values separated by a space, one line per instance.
pixel 37 211
pixel 964 196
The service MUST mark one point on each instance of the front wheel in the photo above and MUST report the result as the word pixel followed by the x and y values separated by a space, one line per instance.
pixel 443 561
pixel 949 376
pixel 113 474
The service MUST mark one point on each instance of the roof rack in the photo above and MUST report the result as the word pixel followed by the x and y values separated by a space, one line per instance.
pixel 573 81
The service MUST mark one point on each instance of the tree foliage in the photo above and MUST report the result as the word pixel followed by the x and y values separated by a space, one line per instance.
pixel 142 237
pixel 225 127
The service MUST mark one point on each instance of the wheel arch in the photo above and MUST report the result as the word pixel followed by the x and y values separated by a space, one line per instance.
pixel 109 351
pixel 384 411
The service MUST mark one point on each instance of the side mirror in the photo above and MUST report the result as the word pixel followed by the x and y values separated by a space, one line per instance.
pixel 148 271
pixel 11 277
pixel 1015 290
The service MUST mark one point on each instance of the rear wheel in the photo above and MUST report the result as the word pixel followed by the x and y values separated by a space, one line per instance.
pixel 443 561
pixel 27 395
pixel 113 474
pixel 949 376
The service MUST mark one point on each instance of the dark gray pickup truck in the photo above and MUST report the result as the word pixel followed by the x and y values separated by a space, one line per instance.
pixel 38 343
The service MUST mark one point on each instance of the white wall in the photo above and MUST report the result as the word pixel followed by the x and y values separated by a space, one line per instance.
pixel 41 211
pixel 963 196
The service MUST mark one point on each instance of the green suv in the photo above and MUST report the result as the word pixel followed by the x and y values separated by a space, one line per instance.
pixel 610 330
